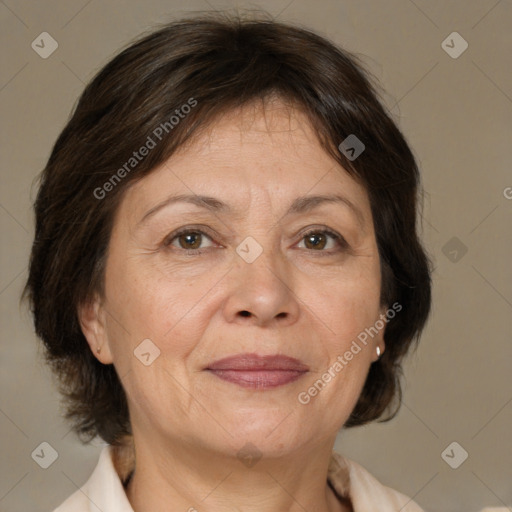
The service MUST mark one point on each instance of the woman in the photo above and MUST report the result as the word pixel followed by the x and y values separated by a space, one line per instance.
pixel 226 271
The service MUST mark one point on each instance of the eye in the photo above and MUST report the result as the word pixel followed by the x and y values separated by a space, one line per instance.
pixel 320 239
pixel 189 240
pixel 195 241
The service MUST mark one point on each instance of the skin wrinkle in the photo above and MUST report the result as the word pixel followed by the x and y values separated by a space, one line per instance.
pixel 189 425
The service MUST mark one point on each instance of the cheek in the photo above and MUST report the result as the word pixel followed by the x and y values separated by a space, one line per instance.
pixel 348 350
pixel 150 300
pixel 167 309
pixel 169 314
pixel 348 306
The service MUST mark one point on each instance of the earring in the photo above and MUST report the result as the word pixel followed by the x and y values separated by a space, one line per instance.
pixel 378 352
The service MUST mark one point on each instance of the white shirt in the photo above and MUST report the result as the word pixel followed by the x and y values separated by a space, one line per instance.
pixel 104 491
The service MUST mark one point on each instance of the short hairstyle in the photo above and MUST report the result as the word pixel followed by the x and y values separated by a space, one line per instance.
pixel 211 63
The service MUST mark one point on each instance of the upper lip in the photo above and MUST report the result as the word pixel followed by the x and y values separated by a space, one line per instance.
pixel 254 362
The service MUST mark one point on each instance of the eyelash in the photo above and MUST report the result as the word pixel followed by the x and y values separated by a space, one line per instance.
pixel 342 243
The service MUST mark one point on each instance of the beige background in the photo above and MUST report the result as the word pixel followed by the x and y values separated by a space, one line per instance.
pixel 457 116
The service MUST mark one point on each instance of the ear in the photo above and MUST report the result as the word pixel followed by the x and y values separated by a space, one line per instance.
pixel 92 317
pixel 380 338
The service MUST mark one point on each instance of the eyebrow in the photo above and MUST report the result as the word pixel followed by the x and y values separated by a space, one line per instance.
pixel 301 204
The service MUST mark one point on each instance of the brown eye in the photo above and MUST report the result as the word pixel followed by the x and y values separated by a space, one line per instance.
pixel 189 240
pixel 316 241
pixel 321 239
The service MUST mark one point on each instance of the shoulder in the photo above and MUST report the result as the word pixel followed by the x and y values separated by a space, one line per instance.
pixel 102 491
pixel 366 493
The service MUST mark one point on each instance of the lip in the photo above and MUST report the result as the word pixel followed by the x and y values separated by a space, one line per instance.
pixel 258 372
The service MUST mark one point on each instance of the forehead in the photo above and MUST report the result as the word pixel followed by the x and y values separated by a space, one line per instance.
pixel 268 152
pixel 272 130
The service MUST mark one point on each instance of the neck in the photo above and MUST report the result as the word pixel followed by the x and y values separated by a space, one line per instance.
pixel 192 479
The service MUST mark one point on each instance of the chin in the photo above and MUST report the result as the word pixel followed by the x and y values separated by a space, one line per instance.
pixel 270 434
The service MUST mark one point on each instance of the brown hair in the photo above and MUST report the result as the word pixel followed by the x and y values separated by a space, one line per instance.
pixel 212 63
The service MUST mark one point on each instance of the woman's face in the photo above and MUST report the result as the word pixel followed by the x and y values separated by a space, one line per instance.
pixel 260 273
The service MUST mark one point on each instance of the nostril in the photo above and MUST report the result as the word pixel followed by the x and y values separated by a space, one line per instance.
pixel 245 313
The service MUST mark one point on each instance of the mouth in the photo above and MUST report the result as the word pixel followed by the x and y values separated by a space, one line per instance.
pixel 258 372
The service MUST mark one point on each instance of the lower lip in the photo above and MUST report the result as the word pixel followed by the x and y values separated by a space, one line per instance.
pixel 258 379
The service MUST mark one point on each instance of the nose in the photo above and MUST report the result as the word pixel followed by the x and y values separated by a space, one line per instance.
pixel 262 293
